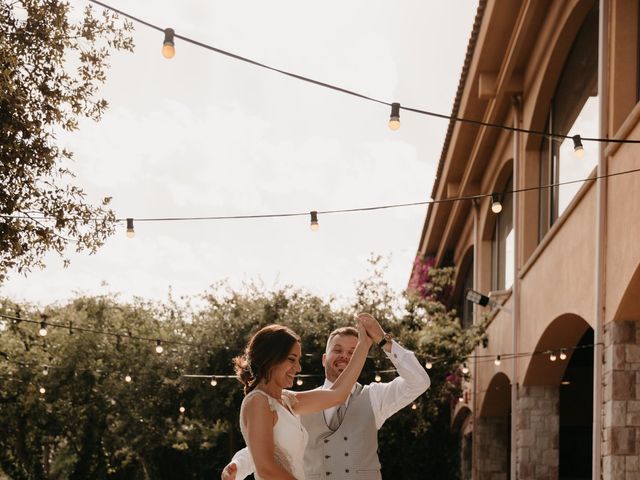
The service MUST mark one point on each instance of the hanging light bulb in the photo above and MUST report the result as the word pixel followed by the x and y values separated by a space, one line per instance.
pixel 394 119
pixel 42 390
pixel 182 409
pixel 414 406
pixel 496 206
pixel 578 149
pixel 127 378
pixel 130 231
pixel 553 357
pixel 314 221
pixel 378 377
pixel 43 329
pixel 563 354
pixel 460 399
pixel 299 381
pixel 168 46
pixel 497 361
pixel 428 365
pixel 214 382
pixel 465 369
pixel 159 348
pixel 45 370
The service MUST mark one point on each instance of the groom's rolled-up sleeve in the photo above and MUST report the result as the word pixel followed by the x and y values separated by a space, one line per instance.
pixel 244 462
pixel 412 381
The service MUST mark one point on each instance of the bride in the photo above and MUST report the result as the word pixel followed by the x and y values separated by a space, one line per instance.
pixel 270 415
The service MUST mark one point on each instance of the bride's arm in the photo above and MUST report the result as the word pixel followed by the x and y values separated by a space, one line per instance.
pixel 317 400
pixel 260 420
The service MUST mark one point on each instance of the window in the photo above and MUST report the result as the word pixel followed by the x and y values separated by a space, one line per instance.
pixel 574 111
pixel 465 306
pixel 503 245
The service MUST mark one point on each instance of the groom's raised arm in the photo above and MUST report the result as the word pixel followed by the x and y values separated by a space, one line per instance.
pixel 240 466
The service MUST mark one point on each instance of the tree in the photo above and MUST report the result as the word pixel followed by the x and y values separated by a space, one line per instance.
pixel 50 69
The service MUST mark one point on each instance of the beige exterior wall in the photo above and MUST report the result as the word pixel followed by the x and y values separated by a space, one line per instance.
pixel 522 45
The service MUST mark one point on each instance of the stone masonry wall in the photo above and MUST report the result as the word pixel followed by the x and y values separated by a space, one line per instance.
pixel 538 452
pixel 620 434
pixel 491 435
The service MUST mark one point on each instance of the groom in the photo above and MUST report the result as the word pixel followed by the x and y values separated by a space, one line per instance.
pixel 343 441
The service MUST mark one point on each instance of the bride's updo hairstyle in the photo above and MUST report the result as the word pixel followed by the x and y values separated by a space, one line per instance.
pixel 268 347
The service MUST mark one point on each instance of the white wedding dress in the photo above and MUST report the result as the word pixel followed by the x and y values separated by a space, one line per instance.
pixel 289 436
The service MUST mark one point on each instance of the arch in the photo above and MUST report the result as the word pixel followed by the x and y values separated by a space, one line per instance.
pixel 465 263
pixel 564 332
pixel 629 306
pixel 497 401
pixel 540 93
pixel 461 414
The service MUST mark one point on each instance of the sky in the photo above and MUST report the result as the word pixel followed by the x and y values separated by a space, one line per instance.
pixel 206 135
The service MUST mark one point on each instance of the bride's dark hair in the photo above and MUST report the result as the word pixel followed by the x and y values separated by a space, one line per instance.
pixel 268 347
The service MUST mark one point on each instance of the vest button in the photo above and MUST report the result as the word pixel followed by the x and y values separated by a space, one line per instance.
pixel 326 440
pixel 327 456
pixel 345 438
pixel 328 473
pixel 346 454
pixel 347 470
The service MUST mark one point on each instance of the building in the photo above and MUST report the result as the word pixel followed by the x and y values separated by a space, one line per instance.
pixel 561 262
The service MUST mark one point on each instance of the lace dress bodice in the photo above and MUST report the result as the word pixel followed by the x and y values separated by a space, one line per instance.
pixel 289 436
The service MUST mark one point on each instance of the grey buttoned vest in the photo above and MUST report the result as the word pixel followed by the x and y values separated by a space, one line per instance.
pixel 351 452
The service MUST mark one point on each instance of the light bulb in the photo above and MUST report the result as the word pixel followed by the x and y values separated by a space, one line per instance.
pixel 314 221
pixel 429 365
pixel 43 329
pixel 578 148
pixel 496 206
pixel 182 409
pixel 45 370
pixel 461 399
pixel 214 382
pixel 299 382
pixel 378 378
pixel 127 378
pixel 552 357
pixel 130 231
pixel 168 46
pixel 42 390
pixel 159 348
pixel 465 369
pixel 497 361
pixel 394 118
pixel 563 354
pixel 414 406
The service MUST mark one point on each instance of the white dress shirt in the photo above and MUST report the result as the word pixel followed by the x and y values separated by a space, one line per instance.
pixel 386 398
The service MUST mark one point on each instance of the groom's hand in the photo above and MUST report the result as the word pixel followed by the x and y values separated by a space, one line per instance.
pixel 229 472
pixel 374 330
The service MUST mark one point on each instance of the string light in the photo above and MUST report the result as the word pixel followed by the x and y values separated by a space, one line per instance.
pixel 497 361
pixel 414 406
pixel 214 382
pixel 377 377
pixel 352 93
pixel 563 354
pixel 578 149
pixel 168 46
pixel 299 381
pixel 127 378
pixel 553 357
pixel 394 118
pixel 496 206
pixel 130 231
pixel 465 369
pixel 45 370
pixel 182 409
pixel 428 365
pixel 43 329
pixel 42 390
pixel 314 221
pixel 159 348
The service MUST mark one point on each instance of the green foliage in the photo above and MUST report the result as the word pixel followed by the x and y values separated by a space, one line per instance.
pixel 90 423
pixel 50 69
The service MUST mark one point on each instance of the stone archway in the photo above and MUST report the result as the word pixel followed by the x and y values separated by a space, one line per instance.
pixel 492 431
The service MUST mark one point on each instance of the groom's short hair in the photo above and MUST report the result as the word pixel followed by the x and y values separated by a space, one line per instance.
pixel 342 331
